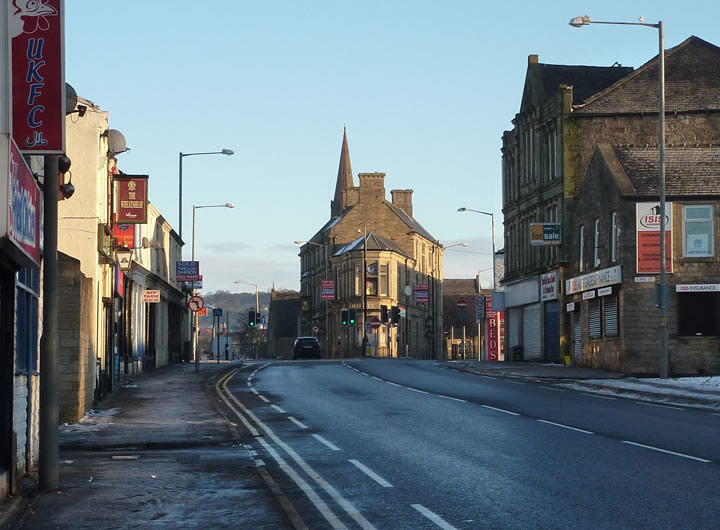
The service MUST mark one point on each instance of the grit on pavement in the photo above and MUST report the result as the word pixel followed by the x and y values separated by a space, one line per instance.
pixel 160 453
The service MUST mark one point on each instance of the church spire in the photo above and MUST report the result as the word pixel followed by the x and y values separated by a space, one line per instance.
pixel 344 180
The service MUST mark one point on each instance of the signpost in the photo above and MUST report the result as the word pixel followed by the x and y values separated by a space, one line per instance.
pixel 196 303
pixel 187 271
pixel 461 304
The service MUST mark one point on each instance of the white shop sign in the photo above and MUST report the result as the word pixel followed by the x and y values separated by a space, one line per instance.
pixel 698 288
pixel 549 286
pixel 592 280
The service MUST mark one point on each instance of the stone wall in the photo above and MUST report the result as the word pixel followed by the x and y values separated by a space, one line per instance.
pixel 76 356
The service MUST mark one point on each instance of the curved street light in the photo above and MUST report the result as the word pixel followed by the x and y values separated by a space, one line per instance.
pixel 492 218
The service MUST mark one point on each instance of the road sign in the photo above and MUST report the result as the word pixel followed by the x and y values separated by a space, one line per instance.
pixel 479 308
pixel 375 323
pixel 151 296
pixel 196 303
pixel 316 328
pixel 461 304
pixel 202 312
pixel 187 271
pixel 217 312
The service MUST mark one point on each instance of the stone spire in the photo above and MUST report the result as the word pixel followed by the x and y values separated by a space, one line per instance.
pixel 344 180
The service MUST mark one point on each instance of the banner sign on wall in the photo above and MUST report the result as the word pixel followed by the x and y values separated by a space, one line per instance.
pixel 647 230
pixel 549 286
pixel 123 236
pixel 328 290
pixel 421 293
pixel 38 79
pixel 131 198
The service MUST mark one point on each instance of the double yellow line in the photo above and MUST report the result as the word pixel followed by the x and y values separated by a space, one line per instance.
pixel 249 420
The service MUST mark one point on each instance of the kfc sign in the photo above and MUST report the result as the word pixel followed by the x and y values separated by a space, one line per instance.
pixel 38 78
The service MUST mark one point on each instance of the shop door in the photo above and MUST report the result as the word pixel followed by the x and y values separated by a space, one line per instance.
pixel 514 315
pixel 532 333
pixel 552 331
pixel 7 320
pixel 577 337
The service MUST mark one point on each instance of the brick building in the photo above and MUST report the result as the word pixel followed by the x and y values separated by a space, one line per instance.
pixel 376 254
pixel 615 257
pixel 565 112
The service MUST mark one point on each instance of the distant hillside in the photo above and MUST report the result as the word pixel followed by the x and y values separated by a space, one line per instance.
pixel 237 304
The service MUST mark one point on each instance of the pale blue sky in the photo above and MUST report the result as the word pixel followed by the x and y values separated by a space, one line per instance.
pixel 425 89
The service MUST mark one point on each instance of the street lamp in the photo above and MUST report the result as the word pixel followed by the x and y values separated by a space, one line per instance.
pixel 492 218
pixel 463 244
pixel 257 301
pixel 227 152
pixel 195 315
pixel 327 317
pixel 579 22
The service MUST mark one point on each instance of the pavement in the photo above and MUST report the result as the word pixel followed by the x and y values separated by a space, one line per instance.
pixel 160 451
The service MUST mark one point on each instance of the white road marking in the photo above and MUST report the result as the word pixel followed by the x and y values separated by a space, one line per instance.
pixel 366 375
pixel 454 399
pixel 370 473
pixel 599 396
pixel 377 378
pixel 416 390
pixel 658 406
pixel 551 388
pixel 281 411
pixel 715 413
pixel 666 451
pixel 266 400
pixel 259 463
pixel 249 383
pixel 501 410
pixel 435 518
pixel 486 377
pixel 565 426
pixel 391 383
pixel 516 382
pixel 296 422
pixel 323 441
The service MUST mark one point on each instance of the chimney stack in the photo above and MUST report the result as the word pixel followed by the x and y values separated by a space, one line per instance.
pixel 403 200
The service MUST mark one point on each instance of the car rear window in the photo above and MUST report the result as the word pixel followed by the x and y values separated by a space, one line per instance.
pixel 307 342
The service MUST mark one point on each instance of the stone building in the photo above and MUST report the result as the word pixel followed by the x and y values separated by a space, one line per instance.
pixel 372 253
pixel 464 334
pixel 565 112
pixel 610 292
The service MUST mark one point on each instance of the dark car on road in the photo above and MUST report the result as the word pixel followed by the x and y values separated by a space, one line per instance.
pixel 306 348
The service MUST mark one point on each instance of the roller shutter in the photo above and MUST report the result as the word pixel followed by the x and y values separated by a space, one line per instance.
pixel 594 320
pixel 611 315
pixel 577 337
pixel 531 332
pixel 552 331
pixel 514 315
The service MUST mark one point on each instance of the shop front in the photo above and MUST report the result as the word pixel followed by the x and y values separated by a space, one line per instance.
pixel 523 319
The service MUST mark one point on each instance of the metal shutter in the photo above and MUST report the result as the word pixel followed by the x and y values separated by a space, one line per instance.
pixel 531 332
pixel 577 337
pixel 594 320
pixel 514 316
pixel 552 331
pixel 611 315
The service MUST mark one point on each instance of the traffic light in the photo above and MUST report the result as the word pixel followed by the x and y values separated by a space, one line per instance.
pixel 351 316
pixel 395 317
pixel 252 319
pixel 383 314
pixel 344 317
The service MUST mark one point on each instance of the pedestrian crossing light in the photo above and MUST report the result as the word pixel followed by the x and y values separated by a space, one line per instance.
pixel 352 316
pixel 344 317
pixel 252 319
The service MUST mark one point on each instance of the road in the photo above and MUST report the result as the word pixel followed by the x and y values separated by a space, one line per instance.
pixel 409 444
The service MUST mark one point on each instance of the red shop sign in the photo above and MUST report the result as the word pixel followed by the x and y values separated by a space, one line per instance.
pixel 38 77
pixel 131 199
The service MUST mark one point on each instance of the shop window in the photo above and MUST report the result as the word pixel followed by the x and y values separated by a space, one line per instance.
pixel 26 346
pixel 594 320
pixel 358 280
pixel 596 245
pixel 610 316
pixel 371 287
pixel 698 314
pixel 698 231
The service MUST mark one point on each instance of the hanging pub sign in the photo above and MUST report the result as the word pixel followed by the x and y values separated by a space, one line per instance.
pixel 131 192
pixel 19 206
pixel 38 80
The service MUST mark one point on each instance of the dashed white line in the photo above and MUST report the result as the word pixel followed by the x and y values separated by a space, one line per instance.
pixel 551 388
pixel 249 383
pixel 326 443
pixel 486 377
pixel 266 400
pixel 255 391
pixel 667 452
pixel 391 383
pixel 259 463
pixel 366 375
pixel 454 399
pixel 501 410
pixel 281 411
pixel 435 518
pixel 416 390
pixel 565 426
pixel 370 473
pixel 376 378
pixel 298 423
pixel 599 396
pixel 516 382
pixel 658 406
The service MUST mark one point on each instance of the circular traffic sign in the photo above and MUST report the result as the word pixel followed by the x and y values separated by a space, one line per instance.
pixel 196 303
pixel 375 323
pixel 461 304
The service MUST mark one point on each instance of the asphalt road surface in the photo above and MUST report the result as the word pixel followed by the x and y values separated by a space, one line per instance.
pixel 410 444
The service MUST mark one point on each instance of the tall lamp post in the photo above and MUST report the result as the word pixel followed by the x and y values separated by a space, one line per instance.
pixel 327 317
pixel 196 356
pixel 579 22
pixel 492 219
pixel 227 152
pixel 257 299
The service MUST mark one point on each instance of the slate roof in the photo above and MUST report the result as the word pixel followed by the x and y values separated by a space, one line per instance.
pixel 374 242
pixel 689 170
pixel 692 82
pixel 585 80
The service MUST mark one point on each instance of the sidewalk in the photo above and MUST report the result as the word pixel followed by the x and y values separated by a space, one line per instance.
pixel 158 453
pixel 699 391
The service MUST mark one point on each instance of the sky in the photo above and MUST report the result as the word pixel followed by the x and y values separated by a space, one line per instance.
pixel 425 89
